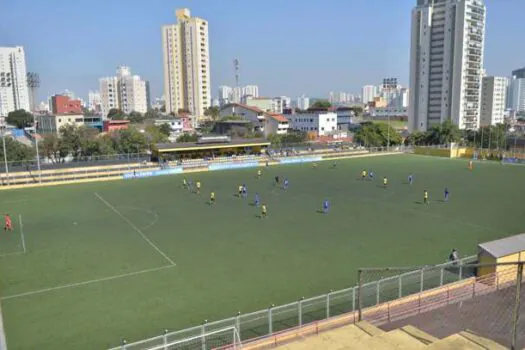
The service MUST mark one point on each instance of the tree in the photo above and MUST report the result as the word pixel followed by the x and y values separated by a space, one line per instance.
pixel 187 138
pixel 16 151
pixel 135 117
pixel 20 118
pixel 154 134
pixel 53 148
pixel 152 114
pixel 129 141
pixel 212 112
pixel 165 129
pixel 115 114
pixel 321 104
pixel 377 135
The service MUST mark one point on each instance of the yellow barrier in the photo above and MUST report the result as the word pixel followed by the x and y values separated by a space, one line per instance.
pixel 435 152
pixel 56 183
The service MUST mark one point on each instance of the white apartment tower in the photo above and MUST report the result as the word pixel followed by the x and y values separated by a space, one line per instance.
pixel 493 97
pixel 186 64
pixel 369 92
pixel 14 93
pixel 125 91
pixel 446 60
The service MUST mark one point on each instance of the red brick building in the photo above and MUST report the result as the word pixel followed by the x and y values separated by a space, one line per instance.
pixel 114 125
pixel 64 105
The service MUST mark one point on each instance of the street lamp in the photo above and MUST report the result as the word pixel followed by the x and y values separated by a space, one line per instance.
pixel 5 157
pixel 37 151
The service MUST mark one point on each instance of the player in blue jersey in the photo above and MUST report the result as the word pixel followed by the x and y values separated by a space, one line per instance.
pixel 244 191
pixel 371 174
pixel 257 201
pixel 285 184
pixel 326 206
pixel 447 193
pixel 410 179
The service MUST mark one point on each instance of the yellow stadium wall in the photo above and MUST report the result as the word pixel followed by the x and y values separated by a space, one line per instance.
pixel 435 152
pixel 462 152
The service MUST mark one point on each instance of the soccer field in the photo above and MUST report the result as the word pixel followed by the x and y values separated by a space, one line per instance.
pixel 128 259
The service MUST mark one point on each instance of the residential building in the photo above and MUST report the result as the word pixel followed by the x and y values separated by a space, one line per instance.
pixel 519 73
pixel 493 96
pixel 249 113
pixel 446 58
pixel 225 93
pixel 186 55
pixel 303 102
pixel 399 113
pixel 125 91
pixel 275 123
pixel 14 93
pixel 108 94
pixel 266 104
pixel 281 103
pixel 321 124
pixel 369 93
pixel 251 90
pixel 517 94
pixel 94 101
pixel 110 126
pixel 52 123
pixel 65 105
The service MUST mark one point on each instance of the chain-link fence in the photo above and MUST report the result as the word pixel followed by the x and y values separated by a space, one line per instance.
pixel 482 298
pixel 280 318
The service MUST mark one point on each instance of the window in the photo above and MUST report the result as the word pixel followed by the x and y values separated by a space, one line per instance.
pixel 322 129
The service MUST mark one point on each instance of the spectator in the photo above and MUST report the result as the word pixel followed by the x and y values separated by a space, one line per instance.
pixel 454 256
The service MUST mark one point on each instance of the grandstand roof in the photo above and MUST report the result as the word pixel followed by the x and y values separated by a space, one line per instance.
pixel 505 246
pixel 191 146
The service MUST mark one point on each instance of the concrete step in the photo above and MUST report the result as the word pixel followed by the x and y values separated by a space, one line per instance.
pixel 484 342
pixel 369 328
pixel 335 339
pixel 417 333
pixel 454 342
pixel 396 339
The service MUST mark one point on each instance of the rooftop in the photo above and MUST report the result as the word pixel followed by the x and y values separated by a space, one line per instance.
pixel 505 246
pixel 167 147
pixel 278 117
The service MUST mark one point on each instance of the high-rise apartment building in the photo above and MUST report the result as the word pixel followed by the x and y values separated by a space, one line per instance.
pixel 225 93
pixel 94 101
pixel 369 93
pixel 251 90
pixel 303 103
pixel 125 91
pixel 186 64
pixel 493 96
pixel 516 100
pixel 14 93
pixel 446 60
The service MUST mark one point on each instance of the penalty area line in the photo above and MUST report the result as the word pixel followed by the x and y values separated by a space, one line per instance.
pixel 78 284
pixel 139 231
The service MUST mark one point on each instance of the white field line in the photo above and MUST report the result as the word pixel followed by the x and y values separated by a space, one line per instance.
pixel 11 254
pixel 3 341
pixel 78 284
pixel 22 233
pixel 144 237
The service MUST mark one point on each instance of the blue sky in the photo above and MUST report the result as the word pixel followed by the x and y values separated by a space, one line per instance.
pixel 287 47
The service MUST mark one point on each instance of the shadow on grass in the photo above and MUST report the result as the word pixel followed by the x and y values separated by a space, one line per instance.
pixel 418 202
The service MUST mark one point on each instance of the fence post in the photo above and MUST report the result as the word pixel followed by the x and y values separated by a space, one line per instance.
pixel 123 344
pixel 460 271
pixel 378 287
pixel 328 304
pixel 400 293
pixel 359 295
pixel 516 316
pixel 421 278
pixel 203 332
pixel 270 319
pixel 300 306
pixel 238 323
pixel 353 299
pixel 441 275
pixel 165 337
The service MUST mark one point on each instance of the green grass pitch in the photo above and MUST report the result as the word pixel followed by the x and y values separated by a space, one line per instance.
pixel 146 255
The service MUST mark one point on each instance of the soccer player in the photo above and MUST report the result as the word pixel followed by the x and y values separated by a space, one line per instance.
pixel 184 183
pixel 8 226
pixel 264 212
pixel 212 198
pixel 198 185
pixel 334 165
pixel 363 175
pixel 410 179
pixel 240 191
pixel 244 191
pixel 326 206
pixel 446 194
pixel 259 174
pixel 277 180
pixel 385 182
pixel 257 201
pixel 470 165
pixel 190 185
pixel 425 197
pixel 372 175
pixel 285 183
pixel 314 165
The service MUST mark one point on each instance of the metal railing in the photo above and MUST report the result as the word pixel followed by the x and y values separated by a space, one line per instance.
pixel 276 319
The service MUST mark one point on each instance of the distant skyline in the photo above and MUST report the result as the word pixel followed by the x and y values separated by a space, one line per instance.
pixel 290 48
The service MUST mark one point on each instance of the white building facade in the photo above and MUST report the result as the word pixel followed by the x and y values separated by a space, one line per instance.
pixel 186 56
pixel 493 96
pixel 516 91
pixel 303 102
pixel 125 91
pixel 369 92
pixel 14 93
pixel 108 94
pixel 446 57
pixel 319 123
pixel 94 101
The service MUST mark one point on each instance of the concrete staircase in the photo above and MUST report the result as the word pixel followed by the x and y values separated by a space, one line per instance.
pixel 364 335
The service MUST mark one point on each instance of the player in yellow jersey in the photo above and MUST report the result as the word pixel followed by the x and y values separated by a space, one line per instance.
pixel 198 185
pixel 363 175
pixel 240 191
pixel 212 198
pixel 314 165
pixel 425 197
pixel 259 174
pixel 385 183
pixel 264 212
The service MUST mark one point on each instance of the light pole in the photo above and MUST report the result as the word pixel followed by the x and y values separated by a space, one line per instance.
pixel 388 135
pixel 5 157
pixel 37 151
